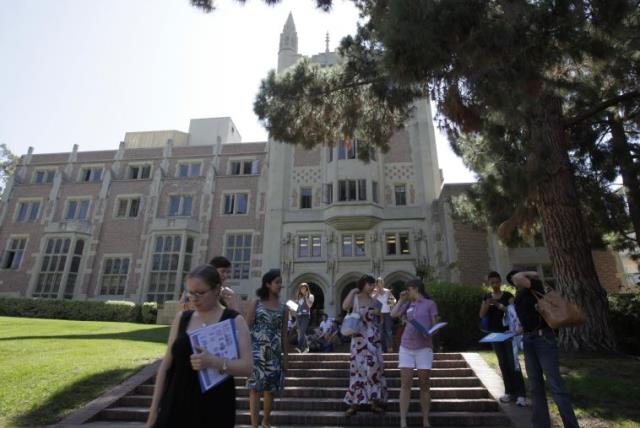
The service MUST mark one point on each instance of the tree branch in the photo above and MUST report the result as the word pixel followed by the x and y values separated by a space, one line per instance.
pixel 600 107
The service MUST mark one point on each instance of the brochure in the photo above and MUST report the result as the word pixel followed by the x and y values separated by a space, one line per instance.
pixel 293 306
pixel 422 329
pixel 220 340
pixel 497 337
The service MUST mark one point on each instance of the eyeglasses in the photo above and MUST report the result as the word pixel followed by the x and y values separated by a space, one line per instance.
pixel 196 294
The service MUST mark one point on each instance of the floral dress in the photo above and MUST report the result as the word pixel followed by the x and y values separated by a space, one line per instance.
pixel 266 347
pixel 367 383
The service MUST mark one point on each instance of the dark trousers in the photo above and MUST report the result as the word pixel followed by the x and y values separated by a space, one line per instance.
pixel 302 322
pixel 386 332
pixel 541 357
pixel 513 380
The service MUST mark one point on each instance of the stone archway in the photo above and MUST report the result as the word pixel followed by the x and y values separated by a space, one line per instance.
pixel 395 281
pixel 343 286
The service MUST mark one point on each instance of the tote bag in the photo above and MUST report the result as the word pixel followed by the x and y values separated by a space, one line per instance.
pixel 352 322
pixel 558 311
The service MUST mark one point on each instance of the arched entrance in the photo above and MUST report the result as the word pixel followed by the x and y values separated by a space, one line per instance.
pixel 316 287
pixel 395 282
pixel 345 284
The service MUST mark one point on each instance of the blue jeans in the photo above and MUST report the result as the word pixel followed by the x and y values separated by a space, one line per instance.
pixel 302 321
pixel 512 378
pixel 386 332
pixel 541 357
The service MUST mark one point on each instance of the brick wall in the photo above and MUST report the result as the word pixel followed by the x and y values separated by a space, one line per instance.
pixel 607 270
pixel 473 255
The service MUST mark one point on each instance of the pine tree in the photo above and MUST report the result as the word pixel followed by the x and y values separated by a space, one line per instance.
pixel 503 74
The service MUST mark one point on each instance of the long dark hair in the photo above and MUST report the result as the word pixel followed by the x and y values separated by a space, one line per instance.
pixel 364 280
pixel 208 274
pixel 302 284
pixel 419 285
pixel 267 278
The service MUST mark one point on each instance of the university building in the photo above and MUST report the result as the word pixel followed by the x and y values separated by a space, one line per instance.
pixel 128 224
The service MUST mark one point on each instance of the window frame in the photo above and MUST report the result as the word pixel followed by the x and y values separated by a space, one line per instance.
pixel 237 272
pixel 190 166
pixel 121 257
pixel 9 250
pixel 79 200
pixel 252 163
pixel 64 275
pixel 396 193
pixel 45 178
pixel 306 198
pixel 29 210
pixel 310 238
pixel 141 166
pixel 129 199
pixel 355 236
pixel 91 169
pixel 397 235
pixel 234 194
pixel 181 205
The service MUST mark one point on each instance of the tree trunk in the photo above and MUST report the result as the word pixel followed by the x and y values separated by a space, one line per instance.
pixel 628 171
pixel 567 240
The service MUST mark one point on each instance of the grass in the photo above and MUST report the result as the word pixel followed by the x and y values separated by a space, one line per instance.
pixel 604 389
pixel 49 368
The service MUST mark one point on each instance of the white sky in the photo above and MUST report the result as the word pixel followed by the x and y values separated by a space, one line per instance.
pixel 87 71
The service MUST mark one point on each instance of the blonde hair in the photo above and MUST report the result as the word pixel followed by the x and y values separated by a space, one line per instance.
pixel 302 284
pixel 379 280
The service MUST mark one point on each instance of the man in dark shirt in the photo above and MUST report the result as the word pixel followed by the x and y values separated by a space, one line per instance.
pixel 540 353
pixel 494 306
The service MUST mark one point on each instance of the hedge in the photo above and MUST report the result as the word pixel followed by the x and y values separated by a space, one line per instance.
pixel 458 305
pixel 121 311
pixel 625 319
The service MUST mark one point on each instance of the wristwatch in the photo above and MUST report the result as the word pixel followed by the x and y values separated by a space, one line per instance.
pixel 224 366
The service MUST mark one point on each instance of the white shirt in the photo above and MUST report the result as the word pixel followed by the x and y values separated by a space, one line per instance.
pixel 310 300
pixel 325 326
pixel 384 299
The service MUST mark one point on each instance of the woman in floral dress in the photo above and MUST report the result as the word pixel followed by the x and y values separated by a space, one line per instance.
pixel 268 322
pixel 367 384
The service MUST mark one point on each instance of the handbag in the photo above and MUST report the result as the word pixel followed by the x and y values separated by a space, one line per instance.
pixel 352 321
pixel 558 311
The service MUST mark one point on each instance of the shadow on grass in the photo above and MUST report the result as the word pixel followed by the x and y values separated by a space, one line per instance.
pixel 72 397
pixel 154 335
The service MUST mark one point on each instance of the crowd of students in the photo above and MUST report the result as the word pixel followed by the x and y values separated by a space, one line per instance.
pixel 263 341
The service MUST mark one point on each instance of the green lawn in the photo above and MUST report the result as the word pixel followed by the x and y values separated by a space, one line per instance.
pixel 49 368
pixel 604 390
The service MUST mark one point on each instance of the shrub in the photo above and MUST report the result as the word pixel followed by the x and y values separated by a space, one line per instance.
pixel 458 305
pixel 121 311
pixel 625 320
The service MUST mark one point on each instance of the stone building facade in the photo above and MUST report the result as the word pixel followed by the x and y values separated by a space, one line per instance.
pixel 128 224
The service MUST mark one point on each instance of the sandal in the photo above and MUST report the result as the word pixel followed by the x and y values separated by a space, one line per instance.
pixel 375 408
pixel 351 411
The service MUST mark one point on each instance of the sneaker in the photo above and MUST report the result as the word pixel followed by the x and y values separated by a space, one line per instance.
pixel 521 402
pixel 505 398
pixel 306 350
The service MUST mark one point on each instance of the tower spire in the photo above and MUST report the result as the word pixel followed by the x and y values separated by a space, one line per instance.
pixel 288 52
pixel 327 43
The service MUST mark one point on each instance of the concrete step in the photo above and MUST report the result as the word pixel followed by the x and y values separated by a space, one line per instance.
pixel 389 372
pixel 293 356
pixel 443 364
pixel 337 418
pixel 336 404
pixel 328 382
pixel 338 392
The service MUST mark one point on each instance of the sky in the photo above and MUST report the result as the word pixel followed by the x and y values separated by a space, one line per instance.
pixel 87 71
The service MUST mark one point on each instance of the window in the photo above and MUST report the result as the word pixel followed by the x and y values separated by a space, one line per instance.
pixel 77 209
pixel 128 207
pixel 397 243
pixel 166 270
pixel 54 267
pixel 91 174
pixel 13 255
pixel 189 169
pixel 373 154
pixel 238 251
pixel 305 197
pixel 347 152
pixel 44 176
pixel 180 206
pixel 329 154
pixel 374 191
pixel 139 172
pixel 327 193
pixel 27 211
pixel 309 246
pixel 244 167
pixel 401 194
pixel 236 203
pixel 114 276
pixel 352 190
pixel 353 245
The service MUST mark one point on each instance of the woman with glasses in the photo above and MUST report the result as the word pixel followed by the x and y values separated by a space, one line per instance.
pixel 177 398
pixel 268 321
pixel 367 384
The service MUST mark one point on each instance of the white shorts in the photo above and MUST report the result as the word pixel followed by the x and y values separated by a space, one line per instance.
pixel 421 359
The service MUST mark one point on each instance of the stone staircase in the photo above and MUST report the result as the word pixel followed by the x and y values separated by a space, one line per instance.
pixel 316 385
